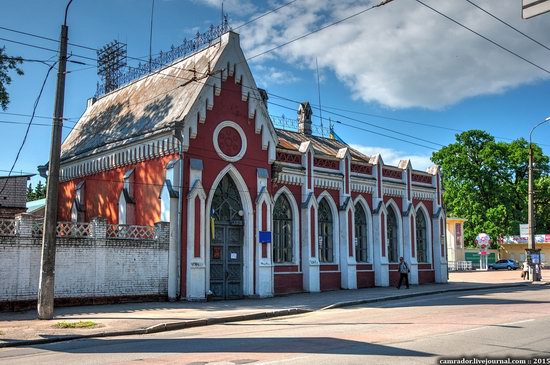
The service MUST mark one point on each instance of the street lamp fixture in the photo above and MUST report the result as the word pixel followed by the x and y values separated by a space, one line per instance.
pixel 531 213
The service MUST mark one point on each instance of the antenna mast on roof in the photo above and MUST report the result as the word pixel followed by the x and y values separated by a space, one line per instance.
pixel 111 59
pixel 319 92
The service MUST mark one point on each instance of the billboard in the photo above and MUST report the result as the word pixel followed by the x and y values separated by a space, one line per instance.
pixel 532 8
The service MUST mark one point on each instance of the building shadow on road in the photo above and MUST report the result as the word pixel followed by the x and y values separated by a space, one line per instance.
pixel 304 345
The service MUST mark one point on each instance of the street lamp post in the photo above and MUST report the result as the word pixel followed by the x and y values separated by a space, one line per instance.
pixel 531 213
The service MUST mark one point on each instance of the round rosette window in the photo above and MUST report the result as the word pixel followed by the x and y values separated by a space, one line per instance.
pixel 229 141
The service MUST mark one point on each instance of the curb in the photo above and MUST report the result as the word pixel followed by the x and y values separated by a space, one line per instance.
pixel 172 326
pixel 412 295
pixel 163 327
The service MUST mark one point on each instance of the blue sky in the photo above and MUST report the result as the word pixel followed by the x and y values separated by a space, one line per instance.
pixel 400 61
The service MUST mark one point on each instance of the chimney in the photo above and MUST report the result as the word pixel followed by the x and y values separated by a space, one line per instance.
pixel 304 118
pixel 264 96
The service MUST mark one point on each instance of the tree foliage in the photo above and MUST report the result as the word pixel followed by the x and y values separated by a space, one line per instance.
pixel 37 193
pixel 486 182
pixel 7 64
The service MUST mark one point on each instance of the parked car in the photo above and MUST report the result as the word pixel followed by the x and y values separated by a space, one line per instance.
pixel 504 264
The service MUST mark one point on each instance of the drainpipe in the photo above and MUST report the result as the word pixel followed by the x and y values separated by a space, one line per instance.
pixel 174 251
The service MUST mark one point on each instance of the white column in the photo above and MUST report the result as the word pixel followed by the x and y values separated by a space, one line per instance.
pixel 348 265
pixel 310 255
pixel 264 265
pixel 196 261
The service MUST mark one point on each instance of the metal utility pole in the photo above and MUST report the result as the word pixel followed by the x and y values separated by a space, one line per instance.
pixel 47 263
pixel 531 243
pixel 531 213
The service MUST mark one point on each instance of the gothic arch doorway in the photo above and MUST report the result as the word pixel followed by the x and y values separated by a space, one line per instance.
pixel 227 243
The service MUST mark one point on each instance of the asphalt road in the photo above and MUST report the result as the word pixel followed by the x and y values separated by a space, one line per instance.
pixel 496 323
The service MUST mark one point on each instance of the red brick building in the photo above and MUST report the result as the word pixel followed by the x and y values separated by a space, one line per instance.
pixel 337 218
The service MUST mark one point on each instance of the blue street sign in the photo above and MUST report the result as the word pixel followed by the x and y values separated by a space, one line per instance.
pixel 265 237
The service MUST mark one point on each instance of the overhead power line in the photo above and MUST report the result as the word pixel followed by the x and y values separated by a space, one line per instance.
pixel 382 3
pixel 36 116
pixel 264 14
pixel 508 24
pixel 29 125
pixel 484 37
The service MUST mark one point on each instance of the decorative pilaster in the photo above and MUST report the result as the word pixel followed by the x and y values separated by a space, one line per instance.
pixel 264 207
pixel 348 264
pixel 196 234
pixel 408 222
pixel 438 223
pixel 380 259
pixel 310 251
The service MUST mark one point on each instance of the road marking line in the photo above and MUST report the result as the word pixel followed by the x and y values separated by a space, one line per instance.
pixel 488 326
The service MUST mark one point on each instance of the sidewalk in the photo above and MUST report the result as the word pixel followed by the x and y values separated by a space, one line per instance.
pixel 22 328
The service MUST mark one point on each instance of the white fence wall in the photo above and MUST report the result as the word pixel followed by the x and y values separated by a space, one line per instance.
pixel 91 262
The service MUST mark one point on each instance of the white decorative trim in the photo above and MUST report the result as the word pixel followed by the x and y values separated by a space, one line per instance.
pixel 400 243
pixel 335 229
pixel 118 157
pixel 220 153
pixel 327 184
pixel 429 233
pixel 370 233
pixel 248 239
pixel 362 188
pixel 421 195
pixel 295 224
pixel 289 179
pixel 393 192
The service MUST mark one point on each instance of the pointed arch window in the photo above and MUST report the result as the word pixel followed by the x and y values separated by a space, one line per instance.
pixel 226 204
pixel 325 227
pixel 421 237
pixel 77 210
pixel 282 231
pixel 361 246
pixel 392 235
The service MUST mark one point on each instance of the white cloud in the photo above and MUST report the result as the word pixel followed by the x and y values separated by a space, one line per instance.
pixel 267 75
pixel 392 157
pixel 404 55
pixel 232 7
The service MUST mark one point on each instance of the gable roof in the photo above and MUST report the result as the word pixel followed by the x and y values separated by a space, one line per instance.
pixel 148 106
pixel 291 141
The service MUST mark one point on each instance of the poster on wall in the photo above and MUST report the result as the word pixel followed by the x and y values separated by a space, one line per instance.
pixel 458 235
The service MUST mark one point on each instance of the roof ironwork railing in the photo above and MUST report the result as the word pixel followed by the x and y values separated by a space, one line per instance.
pixel 289 124
pixel 187 48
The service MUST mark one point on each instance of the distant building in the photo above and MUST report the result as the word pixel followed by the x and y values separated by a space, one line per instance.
pixel 36 208
pixel 513 248
pixel 13 196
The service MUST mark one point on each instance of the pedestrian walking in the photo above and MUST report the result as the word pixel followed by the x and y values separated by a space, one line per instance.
pixel 525 270
pixel 403 273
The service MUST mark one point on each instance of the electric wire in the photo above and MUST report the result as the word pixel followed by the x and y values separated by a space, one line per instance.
pixel 29 125
pixel 508 25
pixel 380 4
pixel 484 37
pixel 264 14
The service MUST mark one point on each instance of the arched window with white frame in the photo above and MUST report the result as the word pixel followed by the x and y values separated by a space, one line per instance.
pixel 361 234
pixel 325 228
pixel 282 231
pixel 421 234
pixel 393 241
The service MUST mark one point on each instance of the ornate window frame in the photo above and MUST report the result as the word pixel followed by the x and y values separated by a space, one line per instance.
pixel 220 153
pixel 295 224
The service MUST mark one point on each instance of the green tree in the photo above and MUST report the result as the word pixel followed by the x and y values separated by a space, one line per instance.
pixel 40 191
pixel 486 182
pixel 30 193
pixel 7 64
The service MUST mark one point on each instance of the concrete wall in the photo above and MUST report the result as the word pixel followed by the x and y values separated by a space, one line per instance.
pixel 94 266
